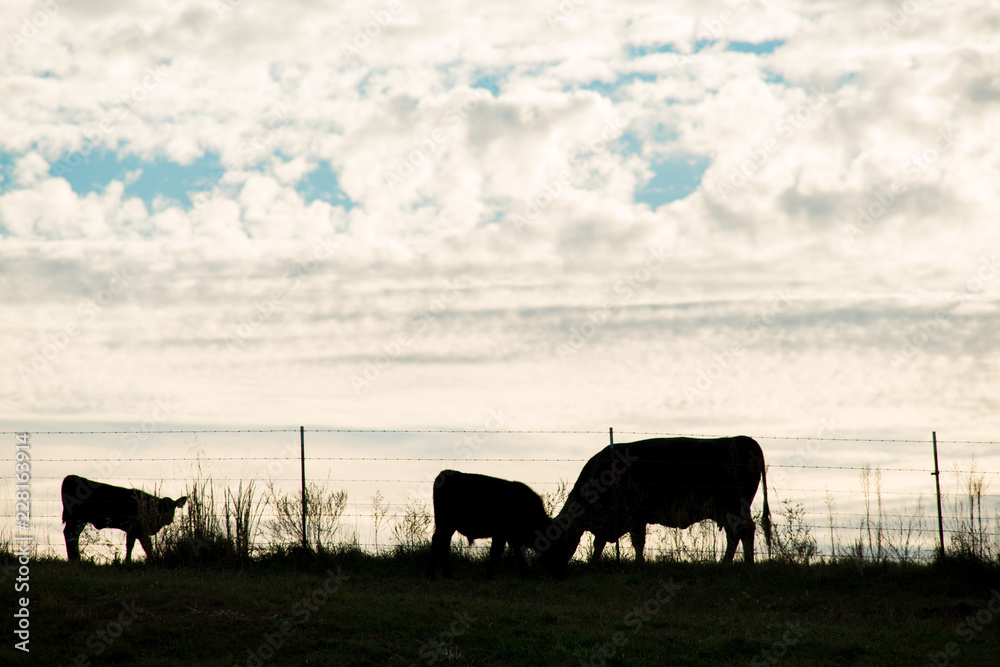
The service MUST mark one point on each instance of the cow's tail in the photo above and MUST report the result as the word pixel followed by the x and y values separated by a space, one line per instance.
pixel 765 516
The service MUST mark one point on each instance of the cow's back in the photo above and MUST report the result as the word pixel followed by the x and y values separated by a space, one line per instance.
pixel 479 506
pixel 103 505
pixel 671 481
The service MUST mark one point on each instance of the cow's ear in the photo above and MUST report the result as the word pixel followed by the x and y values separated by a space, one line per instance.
pixel 180 501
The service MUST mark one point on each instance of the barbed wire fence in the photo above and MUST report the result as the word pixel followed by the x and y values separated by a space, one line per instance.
pixel 893 501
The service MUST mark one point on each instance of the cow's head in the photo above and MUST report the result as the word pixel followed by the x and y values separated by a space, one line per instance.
pixel 556 543
pixel 167 507
pixel 159 512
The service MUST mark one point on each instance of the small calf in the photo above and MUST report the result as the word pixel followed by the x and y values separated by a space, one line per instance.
pixel 138 513
pixel 480 506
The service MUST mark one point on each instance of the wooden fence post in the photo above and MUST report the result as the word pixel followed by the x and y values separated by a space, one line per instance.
pixel 614 496
pixel 302 443
pixel 937 483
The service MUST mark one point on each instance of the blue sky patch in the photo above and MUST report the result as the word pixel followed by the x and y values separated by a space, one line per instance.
pixel 631 144
pixel 6 171
pixel 175 181
pixel 845 79
pixel 158 177
pixel 490 83
pixel 640 50
pixel 608 89
pixel 322 183
pixel 774 77
pixel 755 47
pixel 673 178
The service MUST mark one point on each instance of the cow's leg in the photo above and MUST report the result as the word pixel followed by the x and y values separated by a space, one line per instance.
pixel 72 534
pixel 496 554
pixel 522 558
pixel 747 531
pixel 147 545
pixel 130 538
pixel 598 549
pixel 732 538
pixel 638 535
pixel 440 547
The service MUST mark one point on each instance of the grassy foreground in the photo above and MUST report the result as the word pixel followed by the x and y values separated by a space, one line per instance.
pixel 355 609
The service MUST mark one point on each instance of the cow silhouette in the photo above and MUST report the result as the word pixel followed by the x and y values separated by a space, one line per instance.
pixel 138 513
pixel 674 482
pixel 479 506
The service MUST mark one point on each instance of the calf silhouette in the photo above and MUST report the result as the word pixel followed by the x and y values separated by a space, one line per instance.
pixel 138 513
pixel 480 506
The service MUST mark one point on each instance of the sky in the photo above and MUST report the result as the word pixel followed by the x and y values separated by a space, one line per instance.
pixel 770 218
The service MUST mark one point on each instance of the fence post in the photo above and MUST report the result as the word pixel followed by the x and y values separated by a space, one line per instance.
pixel 614 496
pixel 937 483
pixel 302 443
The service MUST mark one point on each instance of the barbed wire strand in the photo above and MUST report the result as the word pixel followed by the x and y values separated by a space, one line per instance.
pixel 235 459
pixel 137 431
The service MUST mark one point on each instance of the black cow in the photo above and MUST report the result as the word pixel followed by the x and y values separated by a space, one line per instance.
pixel 479 506
pixel 674 482
pixel 136 512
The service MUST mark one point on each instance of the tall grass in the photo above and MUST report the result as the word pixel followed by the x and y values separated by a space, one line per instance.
pixel 976 534
pixel 411 532
pixel 792 536
pixel 236 525
pixel 242 514
pixel 323 509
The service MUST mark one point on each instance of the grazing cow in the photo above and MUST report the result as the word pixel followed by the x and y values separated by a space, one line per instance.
pixel 480 506
pixel 674 482
pixel 138 513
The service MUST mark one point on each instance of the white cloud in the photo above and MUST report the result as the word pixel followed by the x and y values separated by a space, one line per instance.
pixel 269 90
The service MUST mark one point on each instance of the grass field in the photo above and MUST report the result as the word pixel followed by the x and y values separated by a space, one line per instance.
pixel 353 608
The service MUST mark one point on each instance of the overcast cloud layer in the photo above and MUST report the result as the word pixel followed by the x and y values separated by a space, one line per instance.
pixel 740 217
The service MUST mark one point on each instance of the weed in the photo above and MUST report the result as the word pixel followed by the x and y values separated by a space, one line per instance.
pixel 324 508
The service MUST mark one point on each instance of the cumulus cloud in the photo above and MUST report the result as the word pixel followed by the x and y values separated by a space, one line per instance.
pixel 848 155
